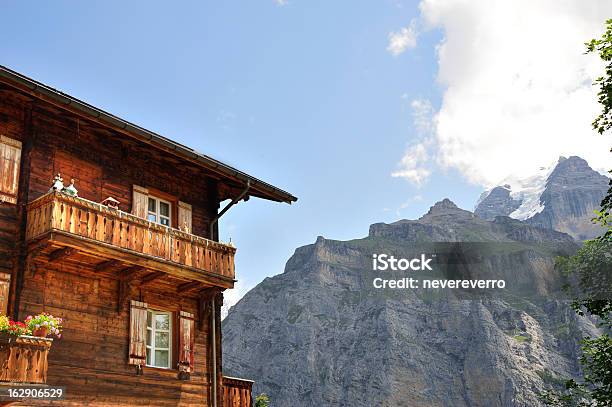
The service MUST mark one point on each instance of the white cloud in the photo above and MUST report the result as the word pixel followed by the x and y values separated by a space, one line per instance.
pixel 231 297
pixel 423 117
pixel 281 2
pixel 403 39
pixel 415 164
pixel 518 87
pixel 407 203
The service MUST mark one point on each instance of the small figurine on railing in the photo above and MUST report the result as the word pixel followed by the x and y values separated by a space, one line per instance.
pixel 111 203
pixel 58 183
pixel 184 228
pixel 70 189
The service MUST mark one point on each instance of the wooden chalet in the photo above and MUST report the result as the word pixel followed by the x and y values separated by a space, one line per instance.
pixel 123 244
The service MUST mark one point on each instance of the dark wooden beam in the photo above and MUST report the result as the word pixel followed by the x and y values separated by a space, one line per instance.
pixel 61 254
pixel 124 292
pixel 204 304
pixel 181 288
pixel 107 265
pixel 149 278
pixel 129 273
pixel 126 277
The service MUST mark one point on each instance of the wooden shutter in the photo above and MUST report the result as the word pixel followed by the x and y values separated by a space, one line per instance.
pixel 5 284
pixel 186 341
pixel 184 217
pixel 10 157
pixel 138 333
pixel 140 201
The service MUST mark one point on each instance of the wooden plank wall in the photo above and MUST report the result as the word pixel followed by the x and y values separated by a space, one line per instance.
pixel 91 357
pixel 12 125
pixel 105 164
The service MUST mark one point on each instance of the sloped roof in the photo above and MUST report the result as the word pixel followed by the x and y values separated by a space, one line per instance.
pixel 39 90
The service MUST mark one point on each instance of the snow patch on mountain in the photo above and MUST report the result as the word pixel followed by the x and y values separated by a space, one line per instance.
pixel 526 190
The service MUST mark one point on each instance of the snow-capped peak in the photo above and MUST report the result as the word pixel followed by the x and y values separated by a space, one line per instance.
pixel 527 191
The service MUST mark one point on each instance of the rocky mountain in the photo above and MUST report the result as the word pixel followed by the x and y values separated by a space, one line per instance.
pixel 497 202
pixel 560 197
pixel 320 334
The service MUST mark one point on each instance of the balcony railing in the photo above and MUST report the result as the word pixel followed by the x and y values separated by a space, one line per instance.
pixel 90 221
pixel 237 392
pixel 23 359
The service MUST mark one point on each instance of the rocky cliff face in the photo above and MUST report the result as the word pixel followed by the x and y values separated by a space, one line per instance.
pixel 572 193
pixel 497 202
pixel 564 199
pixel 320 335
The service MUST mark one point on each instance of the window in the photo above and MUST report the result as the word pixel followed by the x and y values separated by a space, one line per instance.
pixel 150 206
pixel 152 336
pixel 158 211
pixel 159 339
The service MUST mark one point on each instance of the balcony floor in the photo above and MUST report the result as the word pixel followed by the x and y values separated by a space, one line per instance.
pixel 109 261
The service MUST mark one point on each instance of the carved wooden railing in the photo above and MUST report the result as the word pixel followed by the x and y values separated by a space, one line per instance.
pixel 23 359
pixel 237 392
pixel 56 211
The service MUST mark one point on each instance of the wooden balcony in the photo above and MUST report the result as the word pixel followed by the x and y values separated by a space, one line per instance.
pixel 23 359
pixel 78 224
pixel 237 392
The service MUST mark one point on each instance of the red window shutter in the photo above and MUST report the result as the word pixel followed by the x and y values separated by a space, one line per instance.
pixel 186 342
pixel 10 156
pixel 138 333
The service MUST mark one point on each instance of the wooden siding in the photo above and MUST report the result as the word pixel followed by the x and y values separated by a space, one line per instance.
pixel 8 232
pixel 91 358
pixel 104 164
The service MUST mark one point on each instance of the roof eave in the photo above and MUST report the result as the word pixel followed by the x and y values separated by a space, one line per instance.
pixel 259 188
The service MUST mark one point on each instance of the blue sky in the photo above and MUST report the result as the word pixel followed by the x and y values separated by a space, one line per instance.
pixel 304 95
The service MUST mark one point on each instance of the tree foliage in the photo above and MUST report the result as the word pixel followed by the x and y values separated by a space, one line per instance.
pixel 262 400
pixel 592 266
pixel 603 122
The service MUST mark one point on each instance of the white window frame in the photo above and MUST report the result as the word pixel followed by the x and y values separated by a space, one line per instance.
pixel 157 213
pixel 150 347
